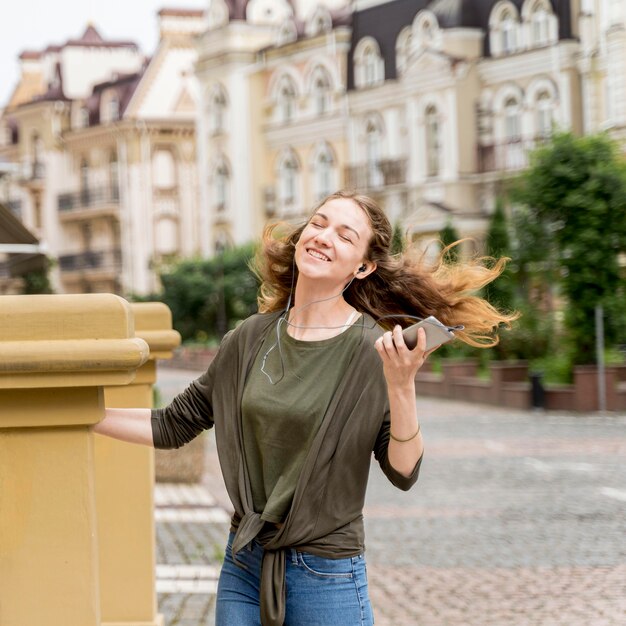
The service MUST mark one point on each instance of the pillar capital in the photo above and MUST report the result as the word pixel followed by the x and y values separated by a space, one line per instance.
pixel 153 324
pixel 68 341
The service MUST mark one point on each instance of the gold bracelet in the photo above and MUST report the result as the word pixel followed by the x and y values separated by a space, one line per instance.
pixel 417 432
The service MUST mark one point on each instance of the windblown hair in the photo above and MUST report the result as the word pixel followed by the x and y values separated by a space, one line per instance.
pixel 401 285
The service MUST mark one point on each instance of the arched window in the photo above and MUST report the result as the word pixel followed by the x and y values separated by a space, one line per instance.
pixel 373 152
pixel 544 114
pixel 513 148
pixel 321 90
pixel 221 186
pixel 324 172
pixel 433 144
pixel 287 33
pixel 217 110
pixel 504 28
pixel 403 49
pixel 512 120
pixel 508 30
pixel 287 98
pixel 425 29
pixel 320 22
pixel 289 182
pixel 369 66
pixel 540 32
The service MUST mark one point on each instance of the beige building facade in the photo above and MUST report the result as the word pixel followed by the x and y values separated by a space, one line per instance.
pixel 426 105
pixel 105 143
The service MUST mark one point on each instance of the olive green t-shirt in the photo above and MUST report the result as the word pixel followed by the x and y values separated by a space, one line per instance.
pixel 280 420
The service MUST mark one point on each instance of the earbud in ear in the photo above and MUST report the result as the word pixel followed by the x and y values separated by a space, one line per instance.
pixel 362 268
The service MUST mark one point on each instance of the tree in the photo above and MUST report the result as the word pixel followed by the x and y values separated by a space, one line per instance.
pixel 447 236
pixel 498 244
pixel 574 195
pixel 398 242
pixel 209 296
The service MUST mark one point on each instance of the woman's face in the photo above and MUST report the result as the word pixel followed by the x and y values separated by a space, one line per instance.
pixel 334 243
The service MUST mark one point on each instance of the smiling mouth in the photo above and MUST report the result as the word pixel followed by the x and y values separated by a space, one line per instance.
pixel 316 254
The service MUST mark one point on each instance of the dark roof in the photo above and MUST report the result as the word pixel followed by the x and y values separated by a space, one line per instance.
pixel 124 86
pixel 181 12
pixel 30 54
pixel 55 89
pixel 455 13
pixel 384 23
pixel 92 38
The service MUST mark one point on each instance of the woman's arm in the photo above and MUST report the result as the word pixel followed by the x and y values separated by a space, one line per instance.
pixel 131 425
pixel 400 365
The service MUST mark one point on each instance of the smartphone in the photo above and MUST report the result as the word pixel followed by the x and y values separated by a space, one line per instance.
pixel 436 333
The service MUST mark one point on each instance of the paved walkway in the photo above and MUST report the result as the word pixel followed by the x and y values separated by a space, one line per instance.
pixel 518 519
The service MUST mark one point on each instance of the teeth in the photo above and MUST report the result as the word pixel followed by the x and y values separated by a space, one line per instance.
pixel 318 255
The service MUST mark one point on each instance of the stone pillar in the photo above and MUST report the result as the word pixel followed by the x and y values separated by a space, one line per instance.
pixel 56 354
pixel 124 490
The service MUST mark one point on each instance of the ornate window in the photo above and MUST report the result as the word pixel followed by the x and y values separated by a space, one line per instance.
pixel 288 182
pixel 287 99
pixel 287 33
pixel 544 114
pixel 504 29
pixel 403 49
pixel 369 66
pixel 320 22
pixel 217 110
pixel 541 23
pixel 114 109
pixel 373 154
pixel 425 29
pixel 321 90
pixel 324 171
pixel 221 186
pixel 512 120
pixel 433 143
pixel 163 169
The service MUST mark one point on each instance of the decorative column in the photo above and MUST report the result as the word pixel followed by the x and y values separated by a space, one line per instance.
pixel 56 354
pixel 124 490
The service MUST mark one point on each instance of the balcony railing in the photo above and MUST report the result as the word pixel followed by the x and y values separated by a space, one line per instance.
pixel 89 198
pixel 91 260
pixel 376 174
pixel 32 172
pixel 511 155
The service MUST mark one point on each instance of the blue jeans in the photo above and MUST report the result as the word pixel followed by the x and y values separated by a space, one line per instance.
pixel 320 591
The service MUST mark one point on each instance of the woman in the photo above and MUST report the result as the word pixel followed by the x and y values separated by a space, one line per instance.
pixel 301 395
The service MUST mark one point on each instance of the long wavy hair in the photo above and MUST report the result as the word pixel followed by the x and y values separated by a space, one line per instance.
pixel 402 285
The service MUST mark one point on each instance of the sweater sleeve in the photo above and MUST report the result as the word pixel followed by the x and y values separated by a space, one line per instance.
pixel 380 454
pixel 190 412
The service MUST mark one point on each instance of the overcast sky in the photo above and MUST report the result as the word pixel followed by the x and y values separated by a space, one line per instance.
pixel 35 24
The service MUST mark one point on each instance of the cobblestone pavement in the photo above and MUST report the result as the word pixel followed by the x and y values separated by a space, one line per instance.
pixel 518 519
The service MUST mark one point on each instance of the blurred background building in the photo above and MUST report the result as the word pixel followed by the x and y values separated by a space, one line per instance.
pixel 255 109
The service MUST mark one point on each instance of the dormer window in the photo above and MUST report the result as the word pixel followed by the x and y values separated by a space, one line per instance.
pixel 369 67
pixel 504 29
pixel 403 49
pixel 114 109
